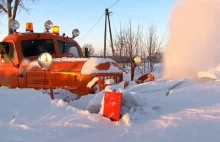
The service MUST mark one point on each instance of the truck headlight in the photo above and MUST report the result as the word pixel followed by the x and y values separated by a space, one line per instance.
pixel 14 25
pixel 45 60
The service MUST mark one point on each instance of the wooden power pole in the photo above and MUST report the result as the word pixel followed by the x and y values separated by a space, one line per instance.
pixel 110 32
pixel 106 13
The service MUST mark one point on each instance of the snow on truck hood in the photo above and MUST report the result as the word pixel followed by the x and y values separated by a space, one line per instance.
pixel 90 64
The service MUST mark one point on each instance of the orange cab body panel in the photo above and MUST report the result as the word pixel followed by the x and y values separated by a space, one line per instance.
pixel 65 74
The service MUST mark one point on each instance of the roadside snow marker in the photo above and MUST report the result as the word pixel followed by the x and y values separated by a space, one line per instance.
pixel 112 105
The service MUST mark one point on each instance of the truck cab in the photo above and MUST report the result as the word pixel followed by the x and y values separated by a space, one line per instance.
pixel 19 66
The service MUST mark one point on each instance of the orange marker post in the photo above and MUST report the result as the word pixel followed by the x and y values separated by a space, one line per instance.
pixel 112 105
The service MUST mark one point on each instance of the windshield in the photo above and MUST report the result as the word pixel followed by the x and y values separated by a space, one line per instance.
pixel 68 48
pixel 36 47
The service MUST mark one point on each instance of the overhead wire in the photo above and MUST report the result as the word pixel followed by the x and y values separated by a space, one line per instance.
pixel 98 20
pixel 131 16
pixel 114 4
pixel 93 27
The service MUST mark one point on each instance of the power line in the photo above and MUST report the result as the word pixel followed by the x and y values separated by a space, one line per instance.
pixel 98 20
pixel 92 27
pixel 131 16
pixel 114 4
pixel 139 19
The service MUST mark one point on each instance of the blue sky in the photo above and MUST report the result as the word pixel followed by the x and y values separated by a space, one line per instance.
pixel 83 14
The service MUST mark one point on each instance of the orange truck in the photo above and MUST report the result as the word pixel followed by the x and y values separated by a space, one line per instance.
pixel 20 66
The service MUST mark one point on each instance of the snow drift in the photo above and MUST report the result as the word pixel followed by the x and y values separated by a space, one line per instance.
pixel 190 113
pixel 212 73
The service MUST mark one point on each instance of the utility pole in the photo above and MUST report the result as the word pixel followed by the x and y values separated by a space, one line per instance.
pixel 107 18
pixel 106 13
pixel 130 51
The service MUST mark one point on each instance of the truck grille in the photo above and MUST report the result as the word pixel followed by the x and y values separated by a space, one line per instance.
pixel 105 77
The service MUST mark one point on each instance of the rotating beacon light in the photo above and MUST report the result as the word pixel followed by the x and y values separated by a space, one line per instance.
pixel 14 25
pixel 56 30
pixel 29 27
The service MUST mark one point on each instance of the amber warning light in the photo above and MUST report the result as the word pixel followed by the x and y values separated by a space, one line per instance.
pixel 56 30
pixel 29 27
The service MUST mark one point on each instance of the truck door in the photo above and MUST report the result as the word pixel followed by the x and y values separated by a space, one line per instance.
pixel 8 69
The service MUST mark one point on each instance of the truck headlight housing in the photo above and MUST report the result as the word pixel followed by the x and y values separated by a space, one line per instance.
pixel 45 60
pixel 137 59
pixel 48 25
pixel 14 25
pixel 75 33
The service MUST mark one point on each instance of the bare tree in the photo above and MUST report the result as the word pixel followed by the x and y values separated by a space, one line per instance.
pixel 100 52
pixel 10 8
pixel 154 46
pixel 130 41
pixel 133 38
pixel 91 50
pixel 120 45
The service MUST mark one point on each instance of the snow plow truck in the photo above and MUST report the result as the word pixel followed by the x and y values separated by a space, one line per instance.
pixel 49 60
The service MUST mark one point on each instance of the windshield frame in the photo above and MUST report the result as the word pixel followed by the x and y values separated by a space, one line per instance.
pixel 17 38
pixel 66 54
pixel 52 53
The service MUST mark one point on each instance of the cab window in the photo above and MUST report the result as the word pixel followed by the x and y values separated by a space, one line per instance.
pixel 11 54
pixel 67 48
pixel 36 47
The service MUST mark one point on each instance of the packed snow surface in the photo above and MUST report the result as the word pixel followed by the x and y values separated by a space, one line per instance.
pixel 191 112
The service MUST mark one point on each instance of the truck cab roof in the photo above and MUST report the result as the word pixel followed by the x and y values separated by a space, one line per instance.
pixel 28 45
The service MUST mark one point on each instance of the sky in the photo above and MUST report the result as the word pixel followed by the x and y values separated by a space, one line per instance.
pixel 83 14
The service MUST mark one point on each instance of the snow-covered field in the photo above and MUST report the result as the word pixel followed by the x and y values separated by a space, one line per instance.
pixel 191 112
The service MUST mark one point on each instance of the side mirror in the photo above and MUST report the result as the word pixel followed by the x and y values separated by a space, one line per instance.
pixel 45 60
pixel 87 52
pixel 4 48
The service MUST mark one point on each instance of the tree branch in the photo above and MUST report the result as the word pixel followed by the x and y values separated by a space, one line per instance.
pixel 15 9
pixel 23 7
pixel 9 8
pixel 2 7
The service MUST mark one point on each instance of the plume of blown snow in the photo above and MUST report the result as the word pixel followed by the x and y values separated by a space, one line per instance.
pixel 194 43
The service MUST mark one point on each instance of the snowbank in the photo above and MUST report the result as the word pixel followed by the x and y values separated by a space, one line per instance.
pixel 189 113
pixel 139 71
pixel 212 73
pixel 27 115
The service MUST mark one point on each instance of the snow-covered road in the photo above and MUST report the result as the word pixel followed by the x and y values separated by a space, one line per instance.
pixel 190 113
